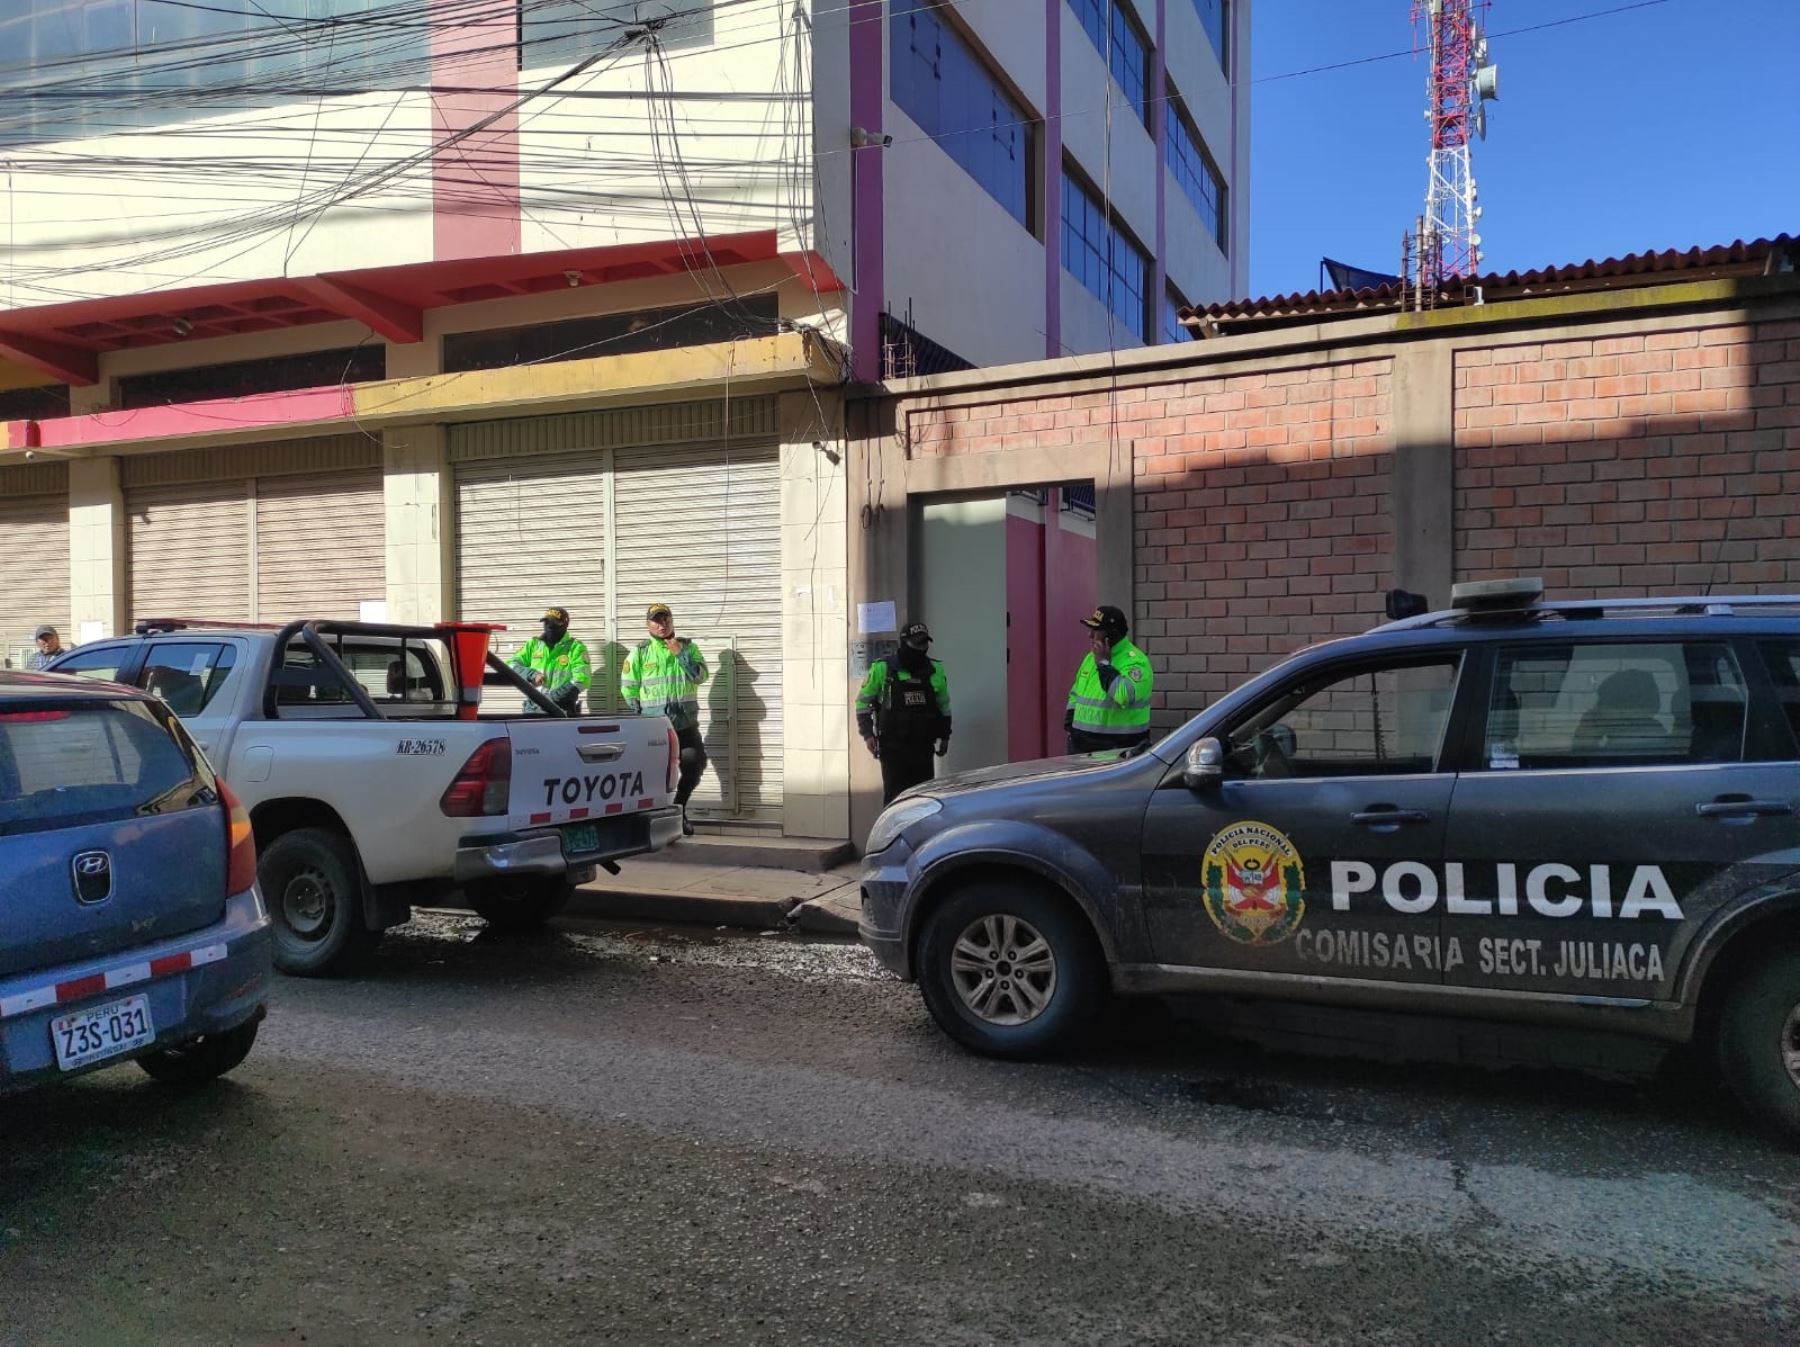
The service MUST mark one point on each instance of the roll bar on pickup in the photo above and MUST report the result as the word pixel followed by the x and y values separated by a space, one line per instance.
pixel 468 643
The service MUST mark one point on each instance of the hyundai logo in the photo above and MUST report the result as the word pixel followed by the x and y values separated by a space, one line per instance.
pixel 93 876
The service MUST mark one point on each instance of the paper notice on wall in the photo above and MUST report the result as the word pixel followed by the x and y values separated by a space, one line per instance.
pixel 875 617
pixel 91 631
pixel 372 610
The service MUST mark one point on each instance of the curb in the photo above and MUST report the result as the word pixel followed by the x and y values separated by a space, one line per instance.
pixel 698 908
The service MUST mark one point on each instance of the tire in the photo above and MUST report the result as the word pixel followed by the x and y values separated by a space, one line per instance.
pixel 313 885
pixel 201 1060
pixel 520 904
pixel 1759 1043
pixel 1050 1010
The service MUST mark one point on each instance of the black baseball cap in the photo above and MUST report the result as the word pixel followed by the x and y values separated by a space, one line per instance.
pixel 1106 618
pixel 560 616
pixel 916 631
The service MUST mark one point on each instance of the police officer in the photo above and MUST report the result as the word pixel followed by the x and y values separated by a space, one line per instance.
pixel 663 674
pixel 1109 706
pixel 555 662
pixel 903 710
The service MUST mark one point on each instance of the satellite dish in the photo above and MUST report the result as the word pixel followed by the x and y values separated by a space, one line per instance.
pixel 1487 82
pixel 1481 121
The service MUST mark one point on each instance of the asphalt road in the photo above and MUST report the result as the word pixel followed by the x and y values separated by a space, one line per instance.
pixel 633 1136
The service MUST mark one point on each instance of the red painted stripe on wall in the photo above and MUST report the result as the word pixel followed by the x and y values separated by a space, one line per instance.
pixel 475 177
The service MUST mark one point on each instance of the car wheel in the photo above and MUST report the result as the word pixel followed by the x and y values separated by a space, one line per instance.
pixel 313 886
pixel 203 1059
pixel 1011 970
pixel 519 904
pixel 1759 1043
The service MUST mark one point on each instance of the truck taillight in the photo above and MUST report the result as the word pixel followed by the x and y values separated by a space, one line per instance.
pixel 674 760
pixel 483 785
pixel 240 842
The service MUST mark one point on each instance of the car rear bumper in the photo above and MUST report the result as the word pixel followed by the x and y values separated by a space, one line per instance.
pixel 540 854
pixel 886 880
pixel 202 982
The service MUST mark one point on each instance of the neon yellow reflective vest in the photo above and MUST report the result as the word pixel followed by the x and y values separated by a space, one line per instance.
pixel 564 662
pixel 662 683
pixel 1116 700
pixel 901 708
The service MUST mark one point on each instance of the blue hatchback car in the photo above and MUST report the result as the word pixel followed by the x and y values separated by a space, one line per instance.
pixel 131 927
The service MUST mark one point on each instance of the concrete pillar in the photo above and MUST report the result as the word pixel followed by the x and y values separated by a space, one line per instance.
pixel 99 591
pixel 816 618
pixel 1423 485
pixel 880 564
pixel 420 524
pixel 408 359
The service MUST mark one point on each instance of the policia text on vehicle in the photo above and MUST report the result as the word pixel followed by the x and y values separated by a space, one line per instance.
pixel 903 711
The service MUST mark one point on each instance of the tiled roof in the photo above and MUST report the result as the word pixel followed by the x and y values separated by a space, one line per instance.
pixel 1755 258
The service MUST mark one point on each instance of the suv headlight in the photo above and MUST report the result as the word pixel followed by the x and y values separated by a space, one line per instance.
pixel 897 818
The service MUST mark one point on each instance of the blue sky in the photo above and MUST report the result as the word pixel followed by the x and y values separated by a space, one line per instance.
pixel 1667 126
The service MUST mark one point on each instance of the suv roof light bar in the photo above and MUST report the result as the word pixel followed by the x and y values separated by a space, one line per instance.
pixel 1578 610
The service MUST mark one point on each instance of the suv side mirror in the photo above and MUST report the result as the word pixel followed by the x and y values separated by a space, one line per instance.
pixel 1205 766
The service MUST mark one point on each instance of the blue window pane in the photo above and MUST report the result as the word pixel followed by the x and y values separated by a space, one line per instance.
pixel 1115 33
pixel 939 81
pixel 1103 258
pixel 1215 17
pixel 117 65
pixel 1172 305
pixel 1193 171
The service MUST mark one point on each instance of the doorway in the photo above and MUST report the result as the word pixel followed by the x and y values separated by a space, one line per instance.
pixel 1003 581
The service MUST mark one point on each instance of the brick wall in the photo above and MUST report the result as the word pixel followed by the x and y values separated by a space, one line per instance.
pixel 1656 463
pixel 1262 524
pixel 1260 508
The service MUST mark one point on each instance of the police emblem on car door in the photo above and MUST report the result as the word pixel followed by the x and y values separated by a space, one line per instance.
pixel 1334 777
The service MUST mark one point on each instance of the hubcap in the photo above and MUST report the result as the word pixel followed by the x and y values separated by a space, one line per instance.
pixel 1790 1045
pixel 307 903
pixel 1005 972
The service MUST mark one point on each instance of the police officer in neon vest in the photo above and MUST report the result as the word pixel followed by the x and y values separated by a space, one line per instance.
pixel 903 712
pixel 663 675
pixel 1109 706
pixel 555 662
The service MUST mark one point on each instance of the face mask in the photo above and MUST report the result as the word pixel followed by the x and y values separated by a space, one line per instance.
pixel 553 633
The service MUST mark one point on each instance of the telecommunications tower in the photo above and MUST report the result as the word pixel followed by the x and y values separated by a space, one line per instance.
pixel 1460 84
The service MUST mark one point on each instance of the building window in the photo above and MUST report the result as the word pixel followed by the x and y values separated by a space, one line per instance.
pixel 1215 17
pixel 116 65
pixel 562 32
pixel 1116 32
pixel 1185 153
pixel 940 81
pixel 1172 305
pixel 1099 253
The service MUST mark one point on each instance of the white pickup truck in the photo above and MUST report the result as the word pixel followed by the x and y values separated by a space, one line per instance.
pixel 379 778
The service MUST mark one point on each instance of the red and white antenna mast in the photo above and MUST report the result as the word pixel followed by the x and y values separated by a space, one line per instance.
pixel 1460 83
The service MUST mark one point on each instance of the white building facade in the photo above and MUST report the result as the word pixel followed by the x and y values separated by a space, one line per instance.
pixel 441 308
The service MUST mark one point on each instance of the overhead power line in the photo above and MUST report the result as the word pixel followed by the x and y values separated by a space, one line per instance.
pixel 1510 32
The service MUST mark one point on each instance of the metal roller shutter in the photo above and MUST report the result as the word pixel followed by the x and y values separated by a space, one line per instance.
pixel 34 565
pixel 320 546
pixel 531 532
pixel 257 532
pixel 700 530
pixel 190 551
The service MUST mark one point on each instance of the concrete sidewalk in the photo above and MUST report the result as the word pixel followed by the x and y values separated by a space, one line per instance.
pixel 668 888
